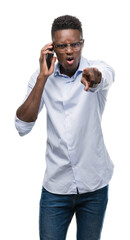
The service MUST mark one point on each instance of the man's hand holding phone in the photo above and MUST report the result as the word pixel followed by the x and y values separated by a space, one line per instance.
pixel 46 59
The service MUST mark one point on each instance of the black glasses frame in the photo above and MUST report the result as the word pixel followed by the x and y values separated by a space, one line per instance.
pixel 65 45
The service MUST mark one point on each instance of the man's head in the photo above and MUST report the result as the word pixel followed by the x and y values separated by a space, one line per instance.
pixel 66 22
pixel 68 41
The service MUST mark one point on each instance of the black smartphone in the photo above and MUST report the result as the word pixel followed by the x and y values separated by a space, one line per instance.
pixel 48 58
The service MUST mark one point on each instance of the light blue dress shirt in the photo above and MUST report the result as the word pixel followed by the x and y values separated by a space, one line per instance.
pixel 76 156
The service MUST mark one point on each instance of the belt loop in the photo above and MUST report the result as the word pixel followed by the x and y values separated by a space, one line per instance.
pixel 77 191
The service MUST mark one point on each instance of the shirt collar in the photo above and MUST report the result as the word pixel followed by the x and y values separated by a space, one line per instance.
pixel 83 64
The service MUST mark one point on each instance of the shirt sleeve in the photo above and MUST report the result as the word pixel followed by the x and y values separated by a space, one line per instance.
pixel 22 127
pixel 108 75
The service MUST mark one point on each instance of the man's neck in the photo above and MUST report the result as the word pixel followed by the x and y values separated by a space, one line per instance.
pixel 69 73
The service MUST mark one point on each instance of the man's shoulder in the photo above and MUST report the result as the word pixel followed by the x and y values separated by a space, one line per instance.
pixel 88 62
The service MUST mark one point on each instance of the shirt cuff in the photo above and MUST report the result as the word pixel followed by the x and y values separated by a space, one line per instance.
pixel 22 127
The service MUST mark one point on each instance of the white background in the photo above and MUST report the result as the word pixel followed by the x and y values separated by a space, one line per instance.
pixel 25 29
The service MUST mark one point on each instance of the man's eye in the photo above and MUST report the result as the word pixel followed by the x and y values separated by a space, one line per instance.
pixel 75 44
pixel 62 46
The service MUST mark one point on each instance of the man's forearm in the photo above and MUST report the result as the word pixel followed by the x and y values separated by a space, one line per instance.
pixel 28 111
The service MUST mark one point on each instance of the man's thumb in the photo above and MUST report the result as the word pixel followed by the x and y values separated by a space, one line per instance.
pixel 86 86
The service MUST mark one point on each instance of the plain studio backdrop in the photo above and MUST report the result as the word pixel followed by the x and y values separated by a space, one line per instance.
pixel 25 29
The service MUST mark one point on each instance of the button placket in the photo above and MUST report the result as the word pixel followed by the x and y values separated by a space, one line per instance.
pixel 68 128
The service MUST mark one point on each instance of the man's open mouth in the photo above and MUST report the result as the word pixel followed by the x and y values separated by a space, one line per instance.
pixel 70 60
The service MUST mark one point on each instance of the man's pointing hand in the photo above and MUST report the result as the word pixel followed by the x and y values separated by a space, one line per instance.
pixel 91 77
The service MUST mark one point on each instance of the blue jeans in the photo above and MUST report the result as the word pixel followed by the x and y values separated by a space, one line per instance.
pixel 56 212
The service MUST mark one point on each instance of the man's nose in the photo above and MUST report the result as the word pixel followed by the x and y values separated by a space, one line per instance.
pixel 69 49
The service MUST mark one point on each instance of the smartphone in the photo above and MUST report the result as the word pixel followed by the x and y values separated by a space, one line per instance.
pixel 48 58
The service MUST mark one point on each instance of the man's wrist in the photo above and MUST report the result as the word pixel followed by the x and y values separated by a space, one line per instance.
pixel 41 79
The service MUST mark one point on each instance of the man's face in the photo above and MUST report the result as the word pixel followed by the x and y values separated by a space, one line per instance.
pixel 68 58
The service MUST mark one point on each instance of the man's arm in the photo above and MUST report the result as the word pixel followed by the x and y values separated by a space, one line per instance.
pixel 28 111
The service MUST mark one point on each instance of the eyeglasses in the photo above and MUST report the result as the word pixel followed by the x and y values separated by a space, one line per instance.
pixel 76 46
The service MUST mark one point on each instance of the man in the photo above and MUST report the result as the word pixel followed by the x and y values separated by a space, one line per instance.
pixel 78 167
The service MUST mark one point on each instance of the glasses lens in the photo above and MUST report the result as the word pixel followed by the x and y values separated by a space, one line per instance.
pixel 76 46
pixel 62 46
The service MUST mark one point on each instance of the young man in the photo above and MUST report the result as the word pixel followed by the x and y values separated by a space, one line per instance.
pixel 78 167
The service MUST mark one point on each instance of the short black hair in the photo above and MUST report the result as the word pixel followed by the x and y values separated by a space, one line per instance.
pixel 66 22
